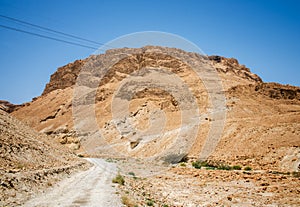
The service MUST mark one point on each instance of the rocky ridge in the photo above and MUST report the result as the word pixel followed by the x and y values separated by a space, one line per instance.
pixel 9 107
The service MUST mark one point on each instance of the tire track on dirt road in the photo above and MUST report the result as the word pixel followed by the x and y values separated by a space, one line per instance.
pixel 91 188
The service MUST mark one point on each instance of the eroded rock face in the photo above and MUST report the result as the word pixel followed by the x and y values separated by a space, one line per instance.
pixel 9 107
pixel 269 90
pixel 278 91
pixel 231 66
pixel 64 77
pixel 251 136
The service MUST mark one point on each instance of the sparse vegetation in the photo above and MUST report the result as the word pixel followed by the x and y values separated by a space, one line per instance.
pixel 247 168
pixel 296 174
pixel 236 167
pixel 119 179
pixel 131 173
pixel 205 164
pixel 150 203
pixel 209 165
pixel 196 164
pixel 20 166
pixel 110 160
pixel 224 167
pixel 280 173
pixel 128 202
pixel 182 164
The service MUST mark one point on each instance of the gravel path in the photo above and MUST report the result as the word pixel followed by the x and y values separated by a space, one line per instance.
pixel 88 188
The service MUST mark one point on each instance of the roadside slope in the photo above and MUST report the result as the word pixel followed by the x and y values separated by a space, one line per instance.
pixel 29 162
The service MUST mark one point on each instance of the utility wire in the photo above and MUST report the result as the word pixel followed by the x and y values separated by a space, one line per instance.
pixel 51 30
pixel 47 37
pixel 44 32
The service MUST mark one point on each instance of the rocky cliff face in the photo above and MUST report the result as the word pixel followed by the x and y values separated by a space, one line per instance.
pixel 251 136
pixel 231 65
pixel 64 77
pixel 9 107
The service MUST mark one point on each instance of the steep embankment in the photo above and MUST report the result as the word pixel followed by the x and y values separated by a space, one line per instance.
pixel 263 127
pixel 29 161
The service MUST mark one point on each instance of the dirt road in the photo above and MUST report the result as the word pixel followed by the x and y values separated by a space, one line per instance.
pixel 93 188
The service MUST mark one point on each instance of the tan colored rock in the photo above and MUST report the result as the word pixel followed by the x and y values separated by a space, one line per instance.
pixel 29 160
pixel 251 136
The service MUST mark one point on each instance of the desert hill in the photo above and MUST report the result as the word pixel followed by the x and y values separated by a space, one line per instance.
pixel 259 124
pixel 262 125
pixel 29 161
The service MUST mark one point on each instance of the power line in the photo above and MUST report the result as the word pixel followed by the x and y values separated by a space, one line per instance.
pixel 47 37
pixel 51 30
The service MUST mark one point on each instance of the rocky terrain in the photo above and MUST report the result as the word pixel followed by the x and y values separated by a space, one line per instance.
pixel 261 126
pixel 29 161
pixel 184 185
pixel 9 107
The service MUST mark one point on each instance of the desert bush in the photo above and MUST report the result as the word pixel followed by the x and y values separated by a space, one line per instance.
pixel 247 168
pixel 224 167
pixel 236 167
pixel 205 164
pixel 128 202
pixel 296 174
pixel 131 173
pixel 196 164
pixel 119 179
pixel 110 160
pixel 210 165
pixel 150 203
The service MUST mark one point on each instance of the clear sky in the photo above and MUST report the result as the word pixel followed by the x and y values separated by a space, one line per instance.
pixel 264 35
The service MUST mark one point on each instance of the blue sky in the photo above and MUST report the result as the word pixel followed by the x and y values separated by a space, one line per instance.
pixel 263 35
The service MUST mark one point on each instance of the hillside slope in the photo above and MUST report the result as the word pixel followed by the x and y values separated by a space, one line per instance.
pixel 262 124
pixel 29 161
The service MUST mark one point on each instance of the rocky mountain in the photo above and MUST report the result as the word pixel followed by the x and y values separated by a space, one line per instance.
pixel 145 105
pixel 251 136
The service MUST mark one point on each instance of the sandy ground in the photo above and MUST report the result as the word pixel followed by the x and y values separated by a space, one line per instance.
pixel 184 186
pixel 93 187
